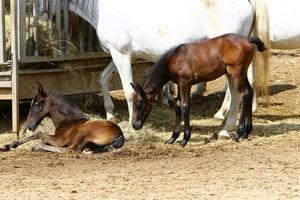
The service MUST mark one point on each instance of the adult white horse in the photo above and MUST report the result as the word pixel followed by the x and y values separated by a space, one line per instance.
pixel 283 17
pixel 129 29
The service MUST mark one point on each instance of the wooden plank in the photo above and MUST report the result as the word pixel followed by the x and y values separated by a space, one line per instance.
pixel 21 31
pixel 5 84
pixel 87 55
pixel 5 96
pixel 66 26
pixel 35 27
pixel 15 78
pixel 6 73
pixel 58 24
pixel 56 70
pixel 2 32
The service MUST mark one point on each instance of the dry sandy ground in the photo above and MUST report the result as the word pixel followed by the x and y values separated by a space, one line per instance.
pixel 267 166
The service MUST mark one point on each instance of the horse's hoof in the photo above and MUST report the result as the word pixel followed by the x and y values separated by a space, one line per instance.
pixel 166 102
pixel 170 141
pixel 115 119
pixel 219 116
pixel 236 137
pixel 223 135
pixel 183 143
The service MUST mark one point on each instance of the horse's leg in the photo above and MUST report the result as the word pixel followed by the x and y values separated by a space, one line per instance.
pixel 44 147
pixel 105 78
pixel 52 140
pixel 250 74
pixel 185 91
pixel 167 94
pixel 246 94
pixel 176 131
pixel 200 89
pixel 227 100
pixel 230 119
pixel 222 112
pixel 123 64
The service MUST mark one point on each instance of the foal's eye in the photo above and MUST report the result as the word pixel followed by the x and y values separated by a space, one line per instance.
pixel 139 105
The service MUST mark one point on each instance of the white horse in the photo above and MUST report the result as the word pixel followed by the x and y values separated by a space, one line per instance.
pixel 283 19
pixel 129 29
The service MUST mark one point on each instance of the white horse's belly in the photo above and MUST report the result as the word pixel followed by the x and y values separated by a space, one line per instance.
pixel 152 27
pixel 284 23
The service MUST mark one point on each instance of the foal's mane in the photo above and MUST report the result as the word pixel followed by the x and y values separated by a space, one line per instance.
pixel 64 107
pixel 160 64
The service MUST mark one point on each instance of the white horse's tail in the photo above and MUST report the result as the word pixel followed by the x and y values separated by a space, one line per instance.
pixel 260 29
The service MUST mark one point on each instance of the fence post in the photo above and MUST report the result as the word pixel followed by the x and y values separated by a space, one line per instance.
pixel 35 27
pixel 66 26
pixel 58 24
pixel 15 75
pixel 21 21
pixel 2 32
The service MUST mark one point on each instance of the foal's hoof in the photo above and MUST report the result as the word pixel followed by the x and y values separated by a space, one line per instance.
pixel 183 143
pixel 5 148
pixel 236 137
pixel 245 137
pixel 171 140
pixel 14 145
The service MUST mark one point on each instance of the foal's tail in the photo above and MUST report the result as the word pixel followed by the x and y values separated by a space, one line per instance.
pixel 260 45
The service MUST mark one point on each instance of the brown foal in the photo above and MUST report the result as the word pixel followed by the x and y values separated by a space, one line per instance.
pixel 73 132
pixel 197 62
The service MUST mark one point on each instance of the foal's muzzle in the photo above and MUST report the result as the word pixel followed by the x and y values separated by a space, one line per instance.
pixel 31 126
pixel 137 125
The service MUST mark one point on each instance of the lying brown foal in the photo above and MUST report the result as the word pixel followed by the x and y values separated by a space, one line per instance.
pixel 73 132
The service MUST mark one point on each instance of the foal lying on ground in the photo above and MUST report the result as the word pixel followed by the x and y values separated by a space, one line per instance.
pixel 193 63
pixel 73 132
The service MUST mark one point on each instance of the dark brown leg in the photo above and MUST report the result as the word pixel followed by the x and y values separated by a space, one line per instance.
pixel 246 94
pixel 176 131
pixel 185 91
pixel 46 138
pixel 17 143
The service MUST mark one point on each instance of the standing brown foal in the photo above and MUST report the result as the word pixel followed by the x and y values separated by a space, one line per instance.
pixel 73 132
pixel 193 63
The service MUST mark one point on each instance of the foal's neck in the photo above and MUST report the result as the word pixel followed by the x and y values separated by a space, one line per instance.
pixel 62 113
pixel 155 80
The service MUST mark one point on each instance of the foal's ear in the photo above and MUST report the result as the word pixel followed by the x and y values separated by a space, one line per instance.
pixel 40 90
pixel 138 89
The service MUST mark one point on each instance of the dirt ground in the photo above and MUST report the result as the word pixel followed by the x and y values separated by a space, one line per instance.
pixel 266 166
